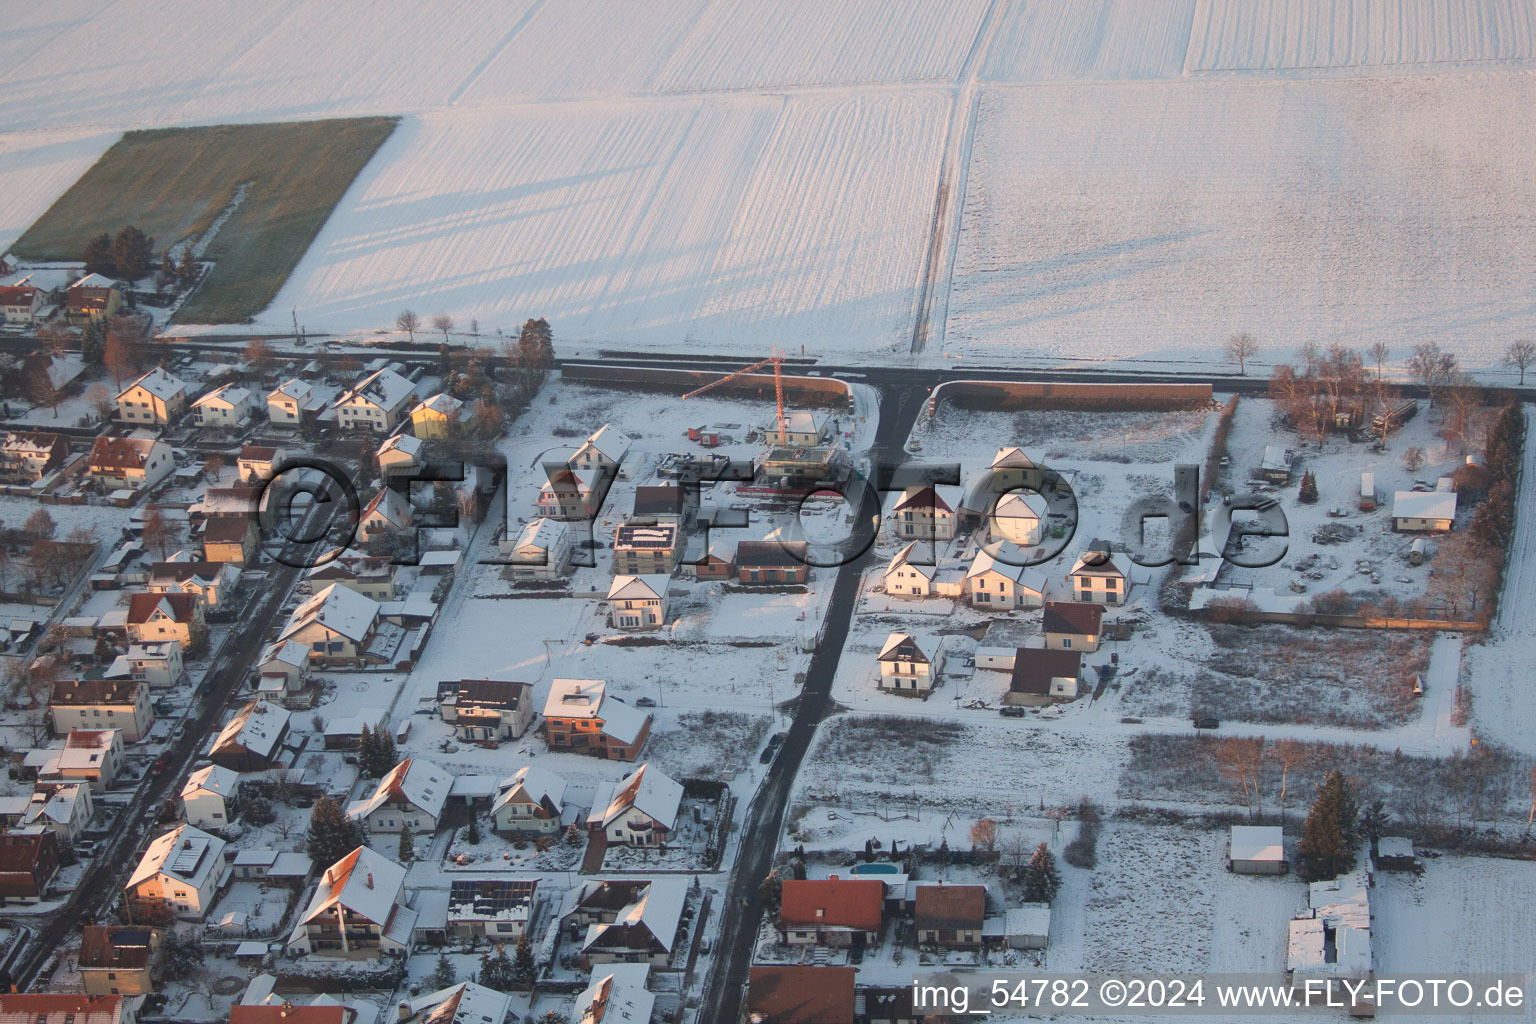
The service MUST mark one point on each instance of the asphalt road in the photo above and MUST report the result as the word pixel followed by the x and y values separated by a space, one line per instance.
pixel 740 912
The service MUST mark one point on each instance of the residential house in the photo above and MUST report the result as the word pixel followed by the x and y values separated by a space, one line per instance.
pixel 1019 518
pixel 950 915
pixel 242 501
pixel 292 402
pixel 121 704
pixel 911 665
pixel 373 576
pixel 486 710
pixel 540 551
pixel 208 798
pixel 1043 676
pixel 436 417
pixel 20 304
pixel 29 862
pixel 644 931
pixel 490 909
pixel 118 959
pixel 569 494
pixel 208 582
pixel 1424 511
pixel 641 809
pixel 63 808
pixel 638 602
pixel 1012 468
pixel 61 1008
pixel 377 402
pixel 464 1003
pixel 410 796
pixel 530 802
pixel 805 428
pixel 617 995
pixel 400 452
pixel 88 755
pixel 388 514
pixel 580 716
pixel 788 468
pixel 153 618
pixel 284 671
pixel 336 624
pixel 259 462
pixel 646 548
pixel 602 452
pixel 252 741
pixel 800 995
pixel 26 456
pixel 1276 464
pixel 838 912
pixel 1072 626
pixel 772 562
pixel 183 871
pixel 1002 580
pixel 664 503
pixel 129 463
pixel 1257 850
pixel 156 397
pixel 232 540
pixel 926 513
pixel 159 664
pixel 92 298
pixel 903 578
pixel 229 406
pixel 716 563
pixel 1101 576
pixel 357 911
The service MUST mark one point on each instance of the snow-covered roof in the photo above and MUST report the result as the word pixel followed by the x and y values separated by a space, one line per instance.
pixel 1101 563
pixel 658 909
pixel 229 394
pixel 286 652
pixel 94 280
pixel 258 727
pixel 158 383
pixel 296 389
pixel 406 444
pixel 1276 458
pixel 464 1003
pixel 364 882
pixel 1258 843
pixel 414 781
pixel 575 698
pixel 1424 505
pixel 1028 919
pixel 389 506
pixel 338 608
pixel 1013 457
pixel 384 388
pixel 534 784
pixel 638 588
pixel 212 779
pixel 622 721
pixel 1394 846
pixel 1028 577
pixel 925 646
pixel 648 790
pixel 608 442
pixel 935 498
pixel 543 534
pixel 1014 505
pixel 803 421
pixel 442 402
pixel 901 557
pixel 186 854
pixel 617 995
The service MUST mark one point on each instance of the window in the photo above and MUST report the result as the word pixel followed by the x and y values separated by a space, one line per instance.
pixel 1066 642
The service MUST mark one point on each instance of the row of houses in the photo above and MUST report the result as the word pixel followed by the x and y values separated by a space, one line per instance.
pixel 1000 579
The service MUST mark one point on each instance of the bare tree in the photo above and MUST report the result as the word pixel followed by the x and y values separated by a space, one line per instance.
pixel 408 322
pixel 1291 754
pixel 1413 459
pixel 443 322
pixel 160 532
pixel 1379 353
pixel 1460 400
pixel 1240 760
pixel 259 355
pixel 984 834
pixel 1431 366
pixel 1241 348
pixel 1520 354
pixel 102 400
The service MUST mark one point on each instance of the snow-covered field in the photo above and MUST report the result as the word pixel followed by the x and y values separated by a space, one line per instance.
pixel 1152 220
pixel 35 167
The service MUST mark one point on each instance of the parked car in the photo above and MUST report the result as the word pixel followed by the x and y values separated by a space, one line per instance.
pixel 645 702
pixel 774 742
pixel 1206 722
pixel 1012 711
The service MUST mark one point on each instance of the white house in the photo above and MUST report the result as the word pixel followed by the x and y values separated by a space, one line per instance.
pixel 637 602
pixel 411 797
pixel 182 870
pixel 400 452
pixel 293 402
pixel 335 624
pixel 358 910
pixel 530 801
pixel 540 550
pixel 227 406
pixel 63 808
pixel 1013 467
pixel 1101 576
pixel 464 1003
pixel 130 463
pixel 640 810
pixel 911 665
pixel 904 579
pixel 805 429
pixel 377 402
pixel 252 740
pixel 259 462
pixel 926 513
pixel 999 581
pixel 156 397
pixel 208 798
pixel 386 515
pixel 641 932
pixel 1424 511
pixel 617 994
pixel 284 670
pixel 602 452
pixel 1018 518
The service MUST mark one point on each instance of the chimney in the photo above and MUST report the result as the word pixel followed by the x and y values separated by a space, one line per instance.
pixel 405 1010
pixel 186 844
pixel 370 879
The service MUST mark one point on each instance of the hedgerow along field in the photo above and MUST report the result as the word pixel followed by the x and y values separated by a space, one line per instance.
pixel 174 183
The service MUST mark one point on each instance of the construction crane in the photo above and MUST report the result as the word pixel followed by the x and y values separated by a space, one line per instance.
pixel 778 384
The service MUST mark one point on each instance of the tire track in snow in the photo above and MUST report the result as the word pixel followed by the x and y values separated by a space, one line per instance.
pixel 490 58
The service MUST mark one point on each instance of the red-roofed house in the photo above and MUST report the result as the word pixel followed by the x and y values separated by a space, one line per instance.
pixel 800 995
pixel 129 462
pixel 155 617
pixel 950 915
pixel 20 303
pixel 63 1008
pixel 831 911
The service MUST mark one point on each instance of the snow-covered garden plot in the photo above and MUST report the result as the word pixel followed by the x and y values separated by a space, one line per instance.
pixel 1040 40
pixel 1150 220
pixel 1313 35
pixel 1454 917
pixel 35 167
pixel 738 223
